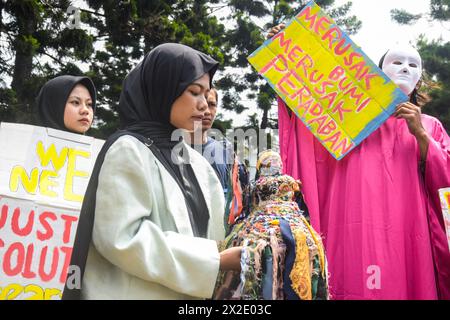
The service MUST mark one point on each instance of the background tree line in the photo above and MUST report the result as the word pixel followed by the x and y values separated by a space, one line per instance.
pixel 436 57
pixel 38 42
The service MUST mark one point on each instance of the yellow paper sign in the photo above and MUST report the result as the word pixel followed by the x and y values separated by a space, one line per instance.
pixel 327 81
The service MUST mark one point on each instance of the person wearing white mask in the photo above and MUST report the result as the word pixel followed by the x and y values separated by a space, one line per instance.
pixel 378 208
pixel 403 65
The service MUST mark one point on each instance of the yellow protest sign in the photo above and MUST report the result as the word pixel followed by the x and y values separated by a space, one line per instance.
pixel 327 80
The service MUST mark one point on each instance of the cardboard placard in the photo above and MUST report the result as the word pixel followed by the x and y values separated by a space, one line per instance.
pixel 327 81
pixel 43 176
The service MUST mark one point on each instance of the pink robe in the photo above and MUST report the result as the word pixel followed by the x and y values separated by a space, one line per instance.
pixel 379 215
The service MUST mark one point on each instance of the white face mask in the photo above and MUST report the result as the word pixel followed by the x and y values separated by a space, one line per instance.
pixel 404 67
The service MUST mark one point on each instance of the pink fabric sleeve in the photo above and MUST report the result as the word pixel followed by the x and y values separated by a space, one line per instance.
pixel 297 149
pixel 437 175
pixel 437 167
pixel 283 130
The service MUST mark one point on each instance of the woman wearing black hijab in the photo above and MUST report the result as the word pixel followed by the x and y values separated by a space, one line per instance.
pixel 67 103
pixel 148 227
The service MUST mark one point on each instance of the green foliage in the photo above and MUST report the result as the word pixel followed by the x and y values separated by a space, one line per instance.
pixel 34 32
pixel 350 24
pixel 221 124
pixel 253 19
pixel 133 28
pixel 436 56
pixel 8 103
pixel 436 60
pixel 37 45
pixel 440 10
pixel 403 17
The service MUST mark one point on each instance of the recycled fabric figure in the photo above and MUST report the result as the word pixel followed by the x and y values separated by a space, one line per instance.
pixel 282 257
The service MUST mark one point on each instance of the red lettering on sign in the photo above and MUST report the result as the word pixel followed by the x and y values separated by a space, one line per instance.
pixel 48 229
pixel 330 97
pixel 343 87
pixel 68 221
pixel 305 106
pixel 315 80
pixel 344 145
pixel 4 215
pixel 333 139
pixel 353 95
pixel 306 62
pixel 316 110
pixel 322 24
pixel 330 35
pixel 67 251
pixel 336 74
pixel 293 53
pixel 328 128
pixel 25 231
pixel 349 60
pixel 273 63
pixel 283 43
pixel 8 269
pixel 339 50
pixel 339 108
pixel 27 273
pixel 306 14
pixel 363 105
pixel 324 85
pixel 360 71
pixel 286 79
pixel 20 260
pixel 46 277
pixel 300 94
pixel 369 77
pixel 320 121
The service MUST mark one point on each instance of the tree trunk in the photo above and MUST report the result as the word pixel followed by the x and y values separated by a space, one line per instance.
pixel 265 119
pixel 2 5
pixel 23 64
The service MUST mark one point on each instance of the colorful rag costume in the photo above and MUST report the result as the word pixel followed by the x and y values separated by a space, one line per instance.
pixel 377 208
pixel 232 174
pixel 282 257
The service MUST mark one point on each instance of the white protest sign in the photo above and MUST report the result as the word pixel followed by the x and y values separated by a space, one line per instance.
pixel 43 176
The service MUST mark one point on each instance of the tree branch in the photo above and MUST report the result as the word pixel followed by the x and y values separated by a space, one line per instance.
pixel 54 58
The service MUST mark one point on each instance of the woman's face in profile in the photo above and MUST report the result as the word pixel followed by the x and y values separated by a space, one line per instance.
pixel 78 112
pixel 210 113
pixel 190 107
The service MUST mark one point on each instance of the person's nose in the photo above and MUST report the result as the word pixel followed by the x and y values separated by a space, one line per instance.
pixel 84 109
pixel 207 111
pixel 203 105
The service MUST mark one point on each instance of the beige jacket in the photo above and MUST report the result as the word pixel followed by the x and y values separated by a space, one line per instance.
pixel 142 244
